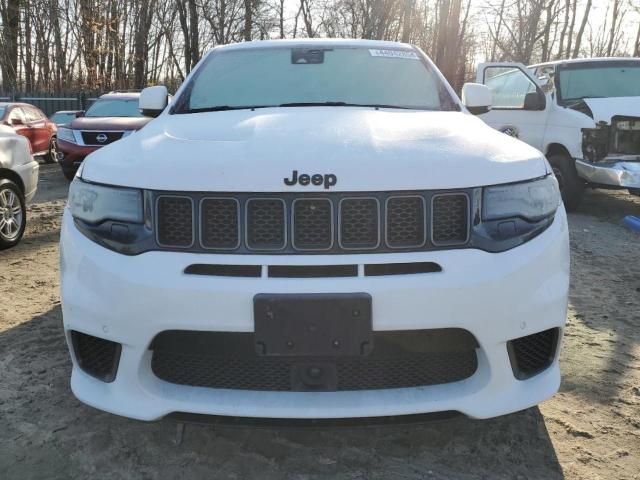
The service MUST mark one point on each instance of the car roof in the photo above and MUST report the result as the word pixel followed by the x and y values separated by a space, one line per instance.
pixel 314 42
pixel 17 104
pixel 585 60
pixel 66 111
pixel 121 95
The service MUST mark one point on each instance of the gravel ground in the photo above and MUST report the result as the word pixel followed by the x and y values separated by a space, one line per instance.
pixel 590 430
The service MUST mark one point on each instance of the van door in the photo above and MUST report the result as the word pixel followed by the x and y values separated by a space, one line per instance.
pixel 519 108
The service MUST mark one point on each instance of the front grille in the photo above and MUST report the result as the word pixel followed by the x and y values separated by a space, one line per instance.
pixel 450 217
pixel 96 356
pixel 219 223
pixel 312 224
pixel 532 354
pixel 100 138
pixel 266 224
pixel 405 226
pixel 295 223
pixel 359 223
pixel 399 359
pixel 175 221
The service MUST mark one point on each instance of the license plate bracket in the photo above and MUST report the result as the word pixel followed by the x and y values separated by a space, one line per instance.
pixel 313 325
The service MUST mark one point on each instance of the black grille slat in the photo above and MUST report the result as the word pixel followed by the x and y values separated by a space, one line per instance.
pixel 399 359
pixel 405 222
pixel 266 224
pixel 91 138
pixel 175 221
pixel 359 223
pixel 312 224
pixel 220 223
pixel 96 356
pixel 450 219
pixel 532 354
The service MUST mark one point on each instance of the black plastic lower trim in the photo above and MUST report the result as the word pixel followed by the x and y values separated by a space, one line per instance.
pixel 217 270
pixel 312 271
pixel 373 270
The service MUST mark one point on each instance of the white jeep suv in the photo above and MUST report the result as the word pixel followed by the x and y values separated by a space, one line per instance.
pixel 315 229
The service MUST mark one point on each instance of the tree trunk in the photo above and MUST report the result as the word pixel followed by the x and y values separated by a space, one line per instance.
pixel 585 18
pixel 248 20
pixel 9 55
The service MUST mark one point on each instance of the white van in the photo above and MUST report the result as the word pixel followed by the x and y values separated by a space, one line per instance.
pixel 583 114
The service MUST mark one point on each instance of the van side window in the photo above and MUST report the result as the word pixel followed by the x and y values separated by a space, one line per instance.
pixel 509 87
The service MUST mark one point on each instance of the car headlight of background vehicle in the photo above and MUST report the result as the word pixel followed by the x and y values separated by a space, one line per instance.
pixel 509 215
pixel 111 216
pixel 66 134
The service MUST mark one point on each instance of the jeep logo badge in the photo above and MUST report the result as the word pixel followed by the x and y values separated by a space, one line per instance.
pixel 328 180
pixel 101 137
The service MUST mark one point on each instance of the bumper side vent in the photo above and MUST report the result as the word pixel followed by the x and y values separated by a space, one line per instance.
pixel 96 356
pixel 532 354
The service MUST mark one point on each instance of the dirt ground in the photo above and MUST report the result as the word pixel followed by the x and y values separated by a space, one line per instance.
pixel 590 430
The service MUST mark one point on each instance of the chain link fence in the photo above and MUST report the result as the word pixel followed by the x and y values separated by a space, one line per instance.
pixel 50 103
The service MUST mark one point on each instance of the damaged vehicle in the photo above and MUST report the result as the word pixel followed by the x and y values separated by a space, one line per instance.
pixel 584 114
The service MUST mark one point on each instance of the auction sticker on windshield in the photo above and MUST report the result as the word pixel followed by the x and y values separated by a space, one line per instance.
pixel 393 54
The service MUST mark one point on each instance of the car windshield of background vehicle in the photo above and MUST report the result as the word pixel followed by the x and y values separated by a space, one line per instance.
pixel 2 111
pixel 61 118
pixel 272 77
pixel 597 81
pixel 114 108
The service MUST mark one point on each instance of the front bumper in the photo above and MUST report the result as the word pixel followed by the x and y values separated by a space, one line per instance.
pixel 496 297
pixel 615 173
pixel 28 173
pixel 72 155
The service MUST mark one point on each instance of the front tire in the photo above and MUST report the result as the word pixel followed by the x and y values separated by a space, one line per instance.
pixel 571 185
pixel 13 214
pixel 52 154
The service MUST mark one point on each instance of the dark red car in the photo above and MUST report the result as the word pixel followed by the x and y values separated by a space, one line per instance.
pixel 30 122
pixel 112 117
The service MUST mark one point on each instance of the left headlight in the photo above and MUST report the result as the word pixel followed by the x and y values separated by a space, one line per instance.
pixel 509 215
pixel 94 203
pixel 533 200
pixel 66 134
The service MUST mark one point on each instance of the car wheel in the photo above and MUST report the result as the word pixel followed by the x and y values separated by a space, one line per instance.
pixel 52 155
pixel 13 214
pixel 571 185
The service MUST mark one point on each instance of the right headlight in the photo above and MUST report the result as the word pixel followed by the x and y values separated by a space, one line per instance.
pixel 532 200
pixel 66 134
pixel 94 203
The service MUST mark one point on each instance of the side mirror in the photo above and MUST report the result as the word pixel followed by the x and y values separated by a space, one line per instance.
pixel 17 121
pixel 153 100
pixel 476 97
pixel 534 101
pixel 80 113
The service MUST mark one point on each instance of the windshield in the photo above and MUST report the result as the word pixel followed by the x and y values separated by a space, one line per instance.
pixel 114 108
pixel 271 77
pixel 599 80
pixel 60 118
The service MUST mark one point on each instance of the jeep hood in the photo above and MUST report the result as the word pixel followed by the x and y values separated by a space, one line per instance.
pixel 366 149
pixel 605 108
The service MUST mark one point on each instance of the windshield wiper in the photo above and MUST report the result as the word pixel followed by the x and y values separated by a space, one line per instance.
pixel 345 104
pixel 222 108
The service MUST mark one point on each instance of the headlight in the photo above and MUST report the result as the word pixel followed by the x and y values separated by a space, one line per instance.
pixel 66 134
pixel 96 203
pixel 533 200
